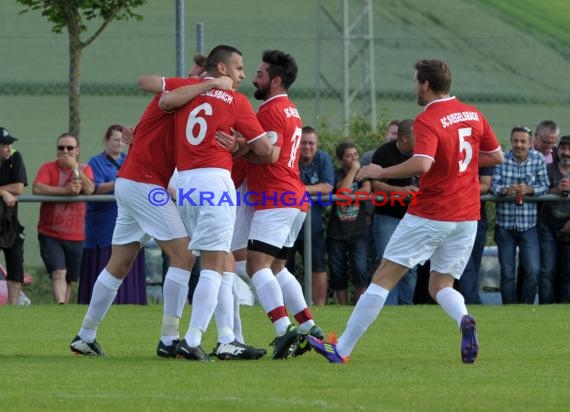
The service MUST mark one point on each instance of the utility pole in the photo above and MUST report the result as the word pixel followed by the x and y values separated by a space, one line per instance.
pixel 348 76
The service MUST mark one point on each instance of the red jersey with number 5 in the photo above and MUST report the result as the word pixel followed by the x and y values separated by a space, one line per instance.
pixel 151 157
pixel 196 124
pixel 278 184
pixel 451 133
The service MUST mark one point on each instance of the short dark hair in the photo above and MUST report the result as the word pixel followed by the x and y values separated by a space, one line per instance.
pixel 281 65
pixel 219 54
pixel 436 73
pixel 343 147
pixel 521 128
pixel 111 129
pixel 309 129
pixel 405 128
pixel 67 134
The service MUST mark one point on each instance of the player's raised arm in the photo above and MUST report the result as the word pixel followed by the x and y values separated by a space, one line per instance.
pixel 179 97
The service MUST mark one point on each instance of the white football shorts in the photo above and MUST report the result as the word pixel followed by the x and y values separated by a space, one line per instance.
pixel 139 217
pixel 208 208
pixel 448 245
pixel 277 227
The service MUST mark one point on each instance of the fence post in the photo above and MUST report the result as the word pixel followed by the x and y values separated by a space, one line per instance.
pixel 180 38
pixel 308 259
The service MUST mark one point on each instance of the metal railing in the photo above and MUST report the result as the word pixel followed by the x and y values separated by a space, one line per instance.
pixel 308 267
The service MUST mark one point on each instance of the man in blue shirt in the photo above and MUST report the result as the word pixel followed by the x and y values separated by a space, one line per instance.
pixel 523 173
pixel 317 173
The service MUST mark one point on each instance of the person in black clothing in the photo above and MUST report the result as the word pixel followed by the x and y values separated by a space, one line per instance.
pixel 388 216
pixel 13 178
pixel 347 231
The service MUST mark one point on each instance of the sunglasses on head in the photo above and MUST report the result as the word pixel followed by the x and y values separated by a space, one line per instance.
pixel 521 129
pixel 69 148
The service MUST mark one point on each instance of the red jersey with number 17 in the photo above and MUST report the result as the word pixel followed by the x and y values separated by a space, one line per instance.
pixel 278 184
pixel 451 133
pixel 151 158
pixel 197 122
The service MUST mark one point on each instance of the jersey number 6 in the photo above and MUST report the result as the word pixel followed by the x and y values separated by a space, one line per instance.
pixel 196 121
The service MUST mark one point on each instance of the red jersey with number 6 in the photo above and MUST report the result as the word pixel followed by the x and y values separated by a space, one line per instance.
pixel 196 124
pixel 151 157
pixel 451 133
pixel 277 185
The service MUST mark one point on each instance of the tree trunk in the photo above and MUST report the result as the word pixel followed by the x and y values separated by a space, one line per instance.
pixel 74 84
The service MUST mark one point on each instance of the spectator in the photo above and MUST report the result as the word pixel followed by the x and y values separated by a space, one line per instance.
pixel 61 227
pixel 347 231
pixel 13 178
pixel 317 173
pixel 390 136
pixel 99 225
pixel 544 142
pixel 545 139
pixel 523 173
pixel 388 216
pixel 554 232
pixel 365 159
pixel 468 283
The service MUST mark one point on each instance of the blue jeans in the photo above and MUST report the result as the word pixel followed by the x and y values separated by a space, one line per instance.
pixel 529 255
pixel 548 264
pixel 468 284
pixel 564 271
pixel 348 257
pixel 403 292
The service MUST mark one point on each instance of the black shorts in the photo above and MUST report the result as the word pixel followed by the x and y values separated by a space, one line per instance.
pixel 15 260
pixel 60 254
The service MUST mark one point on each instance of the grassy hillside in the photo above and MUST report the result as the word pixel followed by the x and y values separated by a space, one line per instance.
pixel 547 20
pixel 509 60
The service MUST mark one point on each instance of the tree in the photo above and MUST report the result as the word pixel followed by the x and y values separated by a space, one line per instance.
pixel 73 14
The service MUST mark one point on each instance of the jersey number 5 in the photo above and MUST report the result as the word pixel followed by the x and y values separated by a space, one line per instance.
pixel 465 146
pixel 198 122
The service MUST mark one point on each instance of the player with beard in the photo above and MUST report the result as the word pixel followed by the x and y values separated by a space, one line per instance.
pixel 279 210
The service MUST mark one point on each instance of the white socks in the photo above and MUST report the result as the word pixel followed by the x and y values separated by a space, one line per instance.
pixel 364 313
pixel 293 297
pixel 175 295
pixel 271 298
pixel 453 303
pixel 104 292
pixel 238 332
pixel 203 305
pixel 225 309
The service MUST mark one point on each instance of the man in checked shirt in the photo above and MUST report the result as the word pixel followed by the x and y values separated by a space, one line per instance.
pixel 523 173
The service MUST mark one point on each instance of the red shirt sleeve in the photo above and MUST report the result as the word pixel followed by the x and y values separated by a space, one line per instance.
pixel 247 123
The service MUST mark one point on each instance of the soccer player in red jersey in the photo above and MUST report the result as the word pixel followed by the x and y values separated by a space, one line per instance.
pixel 279 209
pixel 453 140
pixel 208 199
pixel 146 170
